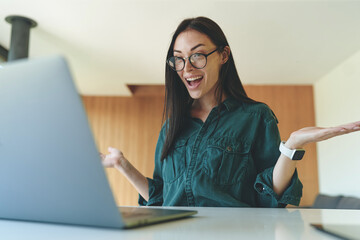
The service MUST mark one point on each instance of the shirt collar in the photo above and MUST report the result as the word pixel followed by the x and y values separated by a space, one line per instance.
pixel 230 104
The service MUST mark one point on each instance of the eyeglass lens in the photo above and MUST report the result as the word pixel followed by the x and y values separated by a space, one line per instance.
pixel 196 60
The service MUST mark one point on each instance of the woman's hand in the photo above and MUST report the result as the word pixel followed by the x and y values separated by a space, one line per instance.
pixel 115 158
pixel 307 135
pixel 284 167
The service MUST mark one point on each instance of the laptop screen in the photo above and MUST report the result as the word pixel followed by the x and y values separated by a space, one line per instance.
pixel 50 169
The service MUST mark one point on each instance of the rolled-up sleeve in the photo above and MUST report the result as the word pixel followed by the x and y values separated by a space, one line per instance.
pixel 156 183
pixel 155 194
pixel 268 198
pixel 265 154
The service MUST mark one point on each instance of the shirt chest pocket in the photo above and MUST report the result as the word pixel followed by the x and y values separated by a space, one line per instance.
pixel 173 165
pixel 226 160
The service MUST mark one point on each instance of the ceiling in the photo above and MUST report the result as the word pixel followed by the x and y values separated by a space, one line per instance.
pixel 112 43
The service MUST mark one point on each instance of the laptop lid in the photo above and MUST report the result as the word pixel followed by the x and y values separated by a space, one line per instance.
pixel 50 169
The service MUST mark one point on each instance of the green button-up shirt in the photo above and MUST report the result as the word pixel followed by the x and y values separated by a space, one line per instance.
pixel 226 161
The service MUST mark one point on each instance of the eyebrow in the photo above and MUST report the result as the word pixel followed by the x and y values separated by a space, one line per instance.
pixel 193 48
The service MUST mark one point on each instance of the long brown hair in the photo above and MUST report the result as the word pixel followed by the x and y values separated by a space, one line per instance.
pixel 177 99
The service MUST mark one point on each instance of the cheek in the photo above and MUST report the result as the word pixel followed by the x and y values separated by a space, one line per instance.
pixel 212 71
pixel 179 74
pixel 212 75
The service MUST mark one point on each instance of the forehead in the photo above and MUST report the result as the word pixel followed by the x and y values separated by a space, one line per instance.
pixel 190 38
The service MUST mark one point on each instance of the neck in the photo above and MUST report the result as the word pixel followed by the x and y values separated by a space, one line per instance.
pixel 206 103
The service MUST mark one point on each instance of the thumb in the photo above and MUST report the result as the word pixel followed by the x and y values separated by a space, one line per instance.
pixel 113 150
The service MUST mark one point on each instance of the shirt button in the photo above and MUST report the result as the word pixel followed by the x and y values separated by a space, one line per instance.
pixel 260 188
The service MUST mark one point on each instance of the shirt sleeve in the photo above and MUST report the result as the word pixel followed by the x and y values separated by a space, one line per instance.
pixel 156 183
pixel 265 154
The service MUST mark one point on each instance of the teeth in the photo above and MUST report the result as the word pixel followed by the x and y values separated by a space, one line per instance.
pixel 193 78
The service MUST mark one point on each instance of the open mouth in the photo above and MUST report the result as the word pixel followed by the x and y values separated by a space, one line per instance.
pixel 193 82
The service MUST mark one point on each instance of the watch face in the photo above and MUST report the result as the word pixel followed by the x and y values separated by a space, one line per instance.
pixel 298 155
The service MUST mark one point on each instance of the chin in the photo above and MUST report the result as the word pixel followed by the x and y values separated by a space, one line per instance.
pixel 195 96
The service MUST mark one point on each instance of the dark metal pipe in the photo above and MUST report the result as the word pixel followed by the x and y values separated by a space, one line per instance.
pixel 20 34
pixel 3 53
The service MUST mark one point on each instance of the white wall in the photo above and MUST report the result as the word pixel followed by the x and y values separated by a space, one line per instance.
pixel 337 101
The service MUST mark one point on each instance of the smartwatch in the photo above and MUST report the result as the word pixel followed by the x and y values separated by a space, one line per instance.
pixel 293 154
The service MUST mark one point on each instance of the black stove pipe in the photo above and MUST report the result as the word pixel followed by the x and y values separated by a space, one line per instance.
pixel 3 53
pixel 20 34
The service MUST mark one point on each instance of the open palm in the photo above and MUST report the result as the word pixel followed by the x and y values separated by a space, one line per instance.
pixel 111 159
pixel 316 134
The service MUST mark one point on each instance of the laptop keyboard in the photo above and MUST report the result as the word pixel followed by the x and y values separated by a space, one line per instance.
pixel 134 212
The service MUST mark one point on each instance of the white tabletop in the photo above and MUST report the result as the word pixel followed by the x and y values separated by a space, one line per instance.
pixel 209 223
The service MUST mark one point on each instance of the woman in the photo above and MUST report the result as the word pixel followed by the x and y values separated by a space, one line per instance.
pixel 217 147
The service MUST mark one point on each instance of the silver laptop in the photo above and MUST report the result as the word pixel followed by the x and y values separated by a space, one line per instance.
pixel 50 169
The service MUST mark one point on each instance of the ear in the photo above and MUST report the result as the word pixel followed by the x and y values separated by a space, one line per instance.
pixel 225 55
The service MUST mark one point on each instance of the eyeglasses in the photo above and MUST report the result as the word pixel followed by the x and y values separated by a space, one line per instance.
pixel 197 60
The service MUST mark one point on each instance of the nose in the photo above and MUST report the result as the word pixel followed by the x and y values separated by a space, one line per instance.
pixel 188 67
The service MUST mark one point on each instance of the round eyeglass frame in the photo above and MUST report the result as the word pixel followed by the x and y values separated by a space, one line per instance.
pixel 183 59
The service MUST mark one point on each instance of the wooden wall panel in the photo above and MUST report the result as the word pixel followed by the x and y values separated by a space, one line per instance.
pixel 132 124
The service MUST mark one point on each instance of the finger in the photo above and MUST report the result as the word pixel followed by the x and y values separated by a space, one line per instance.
pixel 357 126
pixel 326 133
pixel 102 156
pixel 335 131
pixel 352 125
pixel 114 151
pixel 349 128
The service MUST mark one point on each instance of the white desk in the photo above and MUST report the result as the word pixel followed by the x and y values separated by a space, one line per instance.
pixel 209 223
